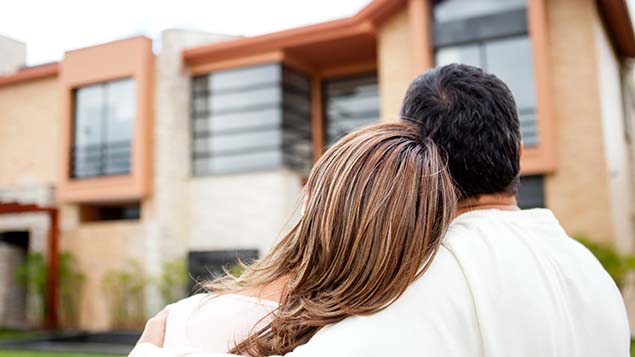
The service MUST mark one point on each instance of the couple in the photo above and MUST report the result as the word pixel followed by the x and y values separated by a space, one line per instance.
pixel 411 243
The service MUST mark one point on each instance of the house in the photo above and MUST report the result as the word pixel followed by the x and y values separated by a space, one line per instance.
pixel 200 150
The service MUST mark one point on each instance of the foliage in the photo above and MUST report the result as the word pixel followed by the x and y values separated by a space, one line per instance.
pixel 237 269
pixel 616 264
pixel 124 290
pixel 16 334
pixel 71 281
pixel 46 354
pixel 32 276
pixel 172 282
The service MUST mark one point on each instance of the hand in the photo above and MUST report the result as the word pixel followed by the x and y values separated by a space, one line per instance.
pixel 154 332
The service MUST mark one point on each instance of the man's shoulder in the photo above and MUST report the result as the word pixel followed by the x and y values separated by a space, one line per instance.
pixel 436 314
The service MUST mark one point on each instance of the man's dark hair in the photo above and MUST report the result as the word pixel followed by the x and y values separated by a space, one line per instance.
pixel 471 115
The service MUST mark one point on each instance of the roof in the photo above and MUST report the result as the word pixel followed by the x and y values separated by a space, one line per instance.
pixel 619 24
pixel 615 12
pixel 362 23
pixel 30 73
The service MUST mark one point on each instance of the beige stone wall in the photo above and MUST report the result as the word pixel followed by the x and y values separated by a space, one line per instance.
pixel 396 66
pixel 162 231
pixel 246 210
pixel 616 150
pixel 29 122
pixel 243 211
pixel 578 192
pixel 169 204
pixel 100 247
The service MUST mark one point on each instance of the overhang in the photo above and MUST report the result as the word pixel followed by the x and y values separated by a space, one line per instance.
pixel 329 43
pixel 30 73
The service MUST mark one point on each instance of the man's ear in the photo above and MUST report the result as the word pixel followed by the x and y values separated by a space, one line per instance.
pixel 521 149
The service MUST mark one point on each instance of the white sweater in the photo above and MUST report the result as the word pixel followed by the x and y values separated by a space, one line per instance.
pixel 504 283
pixel 208 323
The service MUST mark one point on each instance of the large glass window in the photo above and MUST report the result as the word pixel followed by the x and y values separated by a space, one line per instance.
pixel 449 10
pixel 103 129
pixel 252 118
pixel 494 37
pixel 350 103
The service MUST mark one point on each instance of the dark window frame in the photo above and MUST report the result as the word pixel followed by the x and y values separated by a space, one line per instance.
pixel 531 192
pixel 480 31
pixel 288 143
pixel 110 212
pixel 325 97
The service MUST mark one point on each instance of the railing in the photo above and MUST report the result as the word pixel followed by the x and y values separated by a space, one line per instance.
pixel 107 159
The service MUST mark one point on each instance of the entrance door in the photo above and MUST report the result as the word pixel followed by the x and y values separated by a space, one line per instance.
pixel 13 252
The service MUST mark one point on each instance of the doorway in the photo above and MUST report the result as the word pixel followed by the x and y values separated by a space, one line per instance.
pixel 14 246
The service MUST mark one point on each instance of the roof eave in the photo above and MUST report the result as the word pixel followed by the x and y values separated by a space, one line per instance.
pixel 363 22
pixel 30 73
pixel 619 24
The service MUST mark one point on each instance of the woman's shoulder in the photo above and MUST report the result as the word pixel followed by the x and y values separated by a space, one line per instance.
pixel 214 322
pixel 188 303
pixel 201 303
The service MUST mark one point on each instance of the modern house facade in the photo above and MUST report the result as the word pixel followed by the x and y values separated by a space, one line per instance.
pixel 118 153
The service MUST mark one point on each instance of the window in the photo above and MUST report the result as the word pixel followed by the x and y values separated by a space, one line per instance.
pixel 110 212
pixel 531 192
pixel 103 129
pixel 350 103
pixel 491 35
pixel 253 118
pixel 450 10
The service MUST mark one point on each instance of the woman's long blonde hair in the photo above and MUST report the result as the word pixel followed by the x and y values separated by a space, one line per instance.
pixel 378 204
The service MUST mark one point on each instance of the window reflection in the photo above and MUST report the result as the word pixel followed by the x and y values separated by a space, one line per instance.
pixel 498 44
pixel 350 103
pixel 449 10
pixel 104 117
pixel 252 118
pixel 510 60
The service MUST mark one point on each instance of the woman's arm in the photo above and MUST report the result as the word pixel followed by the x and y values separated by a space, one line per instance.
pixel 151 342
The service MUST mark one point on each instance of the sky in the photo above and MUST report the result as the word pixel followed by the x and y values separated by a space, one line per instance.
pixel 51 27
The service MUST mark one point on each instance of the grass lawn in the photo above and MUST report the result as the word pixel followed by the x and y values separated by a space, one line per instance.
pixel 8 334
pixel 45 354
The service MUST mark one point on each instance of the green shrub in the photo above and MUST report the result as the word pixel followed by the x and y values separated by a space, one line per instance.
pixel 172 282
pixel 32 275
pixel 124 290
pixel 71 281
pixel 616 264
pixel 236 269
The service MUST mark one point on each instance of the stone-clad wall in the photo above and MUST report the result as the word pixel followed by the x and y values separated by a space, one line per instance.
pixel 578 192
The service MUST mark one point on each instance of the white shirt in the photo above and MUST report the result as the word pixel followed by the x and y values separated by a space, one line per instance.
pixel 209 323
pixel 504 283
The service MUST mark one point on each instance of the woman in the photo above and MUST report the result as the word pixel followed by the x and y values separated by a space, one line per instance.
pixel 377 205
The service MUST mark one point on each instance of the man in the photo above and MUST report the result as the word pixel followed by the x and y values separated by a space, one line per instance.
pixel 505 282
